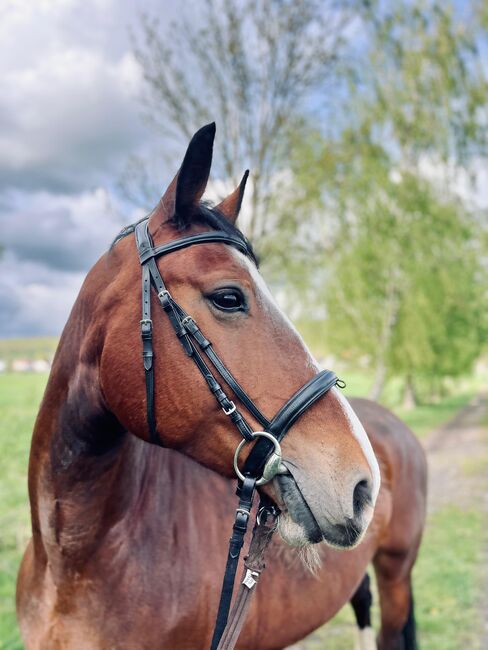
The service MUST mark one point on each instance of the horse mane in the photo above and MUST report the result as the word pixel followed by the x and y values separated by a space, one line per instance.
pixel 205 215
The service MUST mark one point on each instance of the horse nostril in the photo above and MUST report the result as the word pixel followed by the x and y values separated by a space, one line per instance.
pixel 361 496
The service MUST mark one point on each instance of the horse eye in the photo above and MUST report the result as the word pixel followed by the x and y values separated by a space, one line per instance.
pixel 228 300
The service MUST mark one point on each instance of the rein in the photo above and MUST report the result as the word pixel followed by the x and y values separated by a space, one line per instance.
pixel 264 461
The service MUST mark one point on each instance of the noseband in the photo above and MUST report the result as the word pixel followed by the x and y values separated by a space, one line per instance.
pixel 264 461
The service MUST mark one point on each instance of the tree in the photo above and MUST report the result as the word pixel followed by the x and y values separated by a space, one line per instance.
pixel 403 280
pixel 253 68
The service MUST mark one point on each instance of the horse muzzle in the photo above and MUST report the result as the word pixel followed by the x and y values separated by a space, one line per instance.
pixel 320 514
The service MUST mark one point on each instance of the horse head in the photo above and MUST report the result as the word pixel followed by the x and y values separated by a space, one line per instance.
pixel 329 478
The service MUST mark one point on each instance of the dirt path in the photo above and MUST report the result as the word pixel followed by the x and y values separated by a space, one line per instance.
pixel 458 474
pixel 458 458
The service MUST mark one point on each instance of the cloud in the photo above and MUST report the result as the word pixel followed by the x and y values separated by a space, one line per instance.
pixel 67 232
pixel 67 122
pixel 69 119
pixel 49 243
pixel 35 300
pixel 69 111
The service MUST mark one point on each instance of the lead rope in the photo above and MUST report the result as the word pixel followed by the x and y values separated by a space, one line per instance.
pixel 239 529
pixel 253 567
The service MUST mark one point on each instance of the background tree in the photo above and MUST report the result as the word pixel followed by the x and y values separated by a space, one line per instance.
pixel 403 276
pixel 254 68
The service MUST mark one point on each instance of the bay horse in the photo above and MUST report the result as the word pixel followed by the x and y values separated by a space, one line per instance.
pixel 129 537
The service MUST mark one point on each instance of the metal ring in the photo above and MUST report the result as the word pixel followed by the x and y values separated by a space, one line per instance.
pixel 263 513
pixel 256 434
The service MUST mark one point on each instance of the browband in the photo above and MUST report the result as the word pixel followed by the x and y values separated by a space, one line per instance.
pixel 215 237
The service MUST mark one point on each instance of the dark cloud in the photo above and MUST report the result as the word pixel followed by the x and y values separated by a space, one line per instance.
pixel 49 243
pixel 60 232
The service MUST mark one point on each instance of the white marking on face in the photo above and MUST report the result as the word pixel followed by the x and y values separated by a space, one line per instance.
pixel 366 639
pixel 361 436
pixel 272 305
pixel 357 428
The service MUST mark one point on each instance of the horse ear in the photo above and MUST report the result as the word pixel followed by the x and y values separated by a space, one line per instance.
pixel 187 187
pixel 231 205
pixel 193 175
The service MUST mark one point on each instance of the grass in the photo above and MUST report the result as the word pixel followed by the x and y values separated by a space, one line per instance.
pixel 19 400
pixel 426 417
pixel 447 587
pixel 447 580
pixel 446 576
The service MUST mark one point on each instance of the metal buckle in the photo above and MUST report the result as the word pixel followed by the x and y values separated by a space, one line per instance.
pixel 267 511
pixel 273 465
pixel 231 409
pixel 146 321
pixel 164 293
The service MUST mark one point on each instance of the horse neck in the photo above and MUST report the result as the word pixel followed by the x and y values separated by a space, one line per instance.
pixel 88 475
pixel 86 472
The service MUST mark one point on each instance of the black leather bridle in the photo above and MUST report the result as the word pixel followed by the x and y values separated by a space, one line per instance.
pixel 264 460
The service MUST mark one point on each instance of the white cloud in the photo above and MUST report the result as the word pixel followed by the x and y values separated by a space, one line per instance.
pixel 69 111
pixel 470 184
pixel 69 120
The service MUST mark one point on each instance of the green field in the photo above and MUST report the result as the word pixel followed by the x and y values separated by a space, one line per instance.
pixel 446 576
pixel 35 348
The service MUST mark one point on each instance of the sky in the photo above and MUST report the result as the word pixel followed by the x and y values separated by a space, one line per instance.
pixel 69 120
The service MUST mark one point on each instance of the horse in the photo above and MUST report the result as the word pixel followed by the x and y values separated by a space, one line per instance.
pixel 129 532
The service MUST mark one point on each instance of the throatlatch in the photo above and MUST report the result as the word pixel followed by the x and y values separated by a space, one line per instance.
pixel 264 461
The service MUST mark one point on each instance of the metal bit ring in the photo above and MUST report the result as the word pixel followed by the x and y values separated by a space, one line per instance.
pixel 273 465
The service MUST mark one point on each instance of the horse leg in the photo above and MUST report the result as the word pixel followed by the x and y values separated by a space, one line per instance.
pixel 361 603
pixel 393 575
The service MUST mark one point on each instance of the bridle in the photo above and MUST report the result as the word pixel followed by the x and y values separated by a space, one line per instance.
pixel 264 461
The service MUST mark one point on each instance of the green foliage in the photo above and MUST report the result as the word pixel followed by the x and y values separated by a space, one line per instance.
pixel 424 80
pixel 406 283
pixel 394 258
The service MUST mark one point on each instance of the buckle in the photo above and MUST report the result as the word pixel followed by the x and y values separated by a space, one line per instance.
pixel 146 322
pixel 164 294
pixel 231 409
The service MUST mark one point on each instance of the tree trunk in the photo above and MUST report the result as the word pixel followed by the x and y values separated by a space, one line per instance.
pixel 379 381
pixel 409 397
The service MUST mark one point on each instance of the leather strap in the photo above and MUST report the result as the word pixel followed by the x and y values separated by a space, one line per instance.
pixel 239 529
pixel 214 237
pixel 287 416
pixel 206 347
pixel 253 567
pixel 148 353
pixel 176 315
